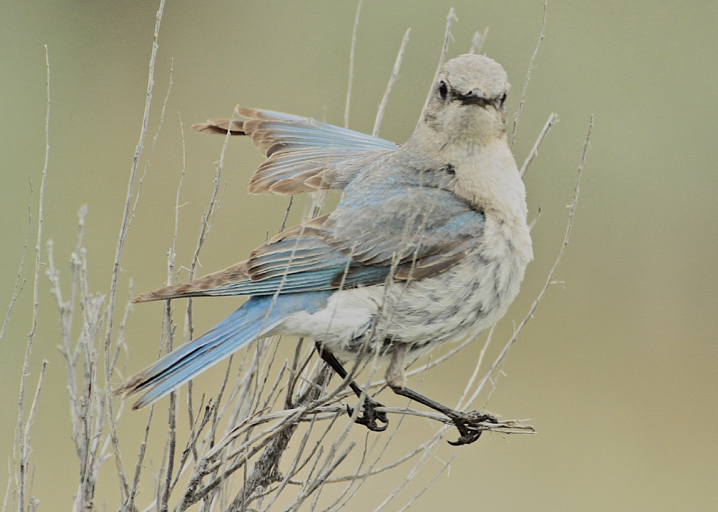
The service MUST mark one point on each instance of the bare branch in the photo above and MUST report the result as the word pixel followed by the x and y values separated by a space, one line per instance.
pixel 431 482
pixel 534 151
pixel 130 187
pixel 17 289
pixel 528 76
pixel 129 504
pixel 121 241
pixel 23 447
pixel 392 80
pixel 205 227
pixel 477 42
pixel 351 66
pixel 450 18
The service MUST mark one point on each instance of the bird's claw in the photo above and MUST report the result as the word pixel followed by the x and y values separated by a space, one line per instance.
pixel 470 426
pixel 370 416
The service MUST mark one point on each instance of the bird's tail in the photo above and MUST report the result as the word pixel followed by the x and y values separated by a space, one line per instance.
pixel 253 319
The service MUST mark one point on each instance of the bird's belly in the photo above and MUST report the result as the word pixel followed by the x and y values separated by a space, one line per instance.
pixel 450 306
pixel 454 305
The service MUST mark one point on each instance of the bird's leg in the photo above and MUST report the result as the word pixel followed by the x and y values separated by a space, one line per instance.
pixel 370 414
pixel 468 423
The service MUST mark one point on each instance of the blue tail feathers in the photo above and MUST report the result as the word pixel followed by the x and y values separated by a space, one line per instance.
pixel 254 318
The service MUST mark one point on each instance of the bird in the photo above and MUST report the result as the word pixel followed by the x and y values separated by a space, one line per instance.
pixel 428 245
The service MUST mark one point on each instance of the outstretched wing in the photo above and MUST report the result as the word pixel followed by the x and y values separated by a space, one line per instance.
pixel 418 234
pixel 303 155
pixel 300 259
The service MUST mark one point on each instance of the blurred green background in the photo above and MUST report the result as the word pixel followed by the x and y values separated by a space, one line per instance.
pixel 618 370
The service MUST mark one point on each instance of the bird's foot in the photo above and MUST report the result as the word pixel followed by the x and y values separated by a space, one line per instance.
pixel 370 416
pixel 470 425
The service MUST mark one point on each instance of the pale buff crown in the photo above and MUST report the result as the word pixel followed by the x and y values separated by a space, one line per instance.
pixel 476 73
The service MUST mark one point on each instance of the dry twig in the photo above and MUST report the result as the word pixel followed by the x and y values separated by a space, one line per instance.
pixel 351 66
pixel 450 19
pixel 392 80
pixel 528 77
pixel 22 441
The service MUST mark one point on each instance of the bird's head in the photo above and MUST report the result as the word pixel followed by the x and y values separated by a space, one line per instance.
pixel 466 102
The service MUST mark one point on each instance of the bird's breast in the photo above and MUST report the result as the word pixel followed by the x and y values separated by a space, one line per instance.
pixel 462 301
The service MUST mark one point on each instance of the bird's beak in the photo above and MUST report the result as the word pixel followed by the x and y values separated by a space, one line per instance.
pixel 475 97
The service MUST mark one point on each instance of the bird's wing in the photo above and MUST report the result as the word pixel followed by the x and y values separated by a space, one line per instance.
pixel 298 260
pixel 419 230
pixel 420 235
pixel 303 155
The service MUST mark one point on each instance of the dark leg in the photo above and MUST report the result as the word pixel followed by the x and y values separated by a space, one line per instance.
pixel 468 423
pixel 370 415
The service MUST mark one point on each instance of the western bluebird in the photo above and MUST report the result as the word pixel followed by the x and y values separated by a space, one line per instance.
pixel 428 245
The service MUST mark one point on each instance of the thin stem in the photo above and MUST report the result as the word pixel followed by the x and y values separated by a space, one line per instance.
pixel 121 242
pixel 534 151
pixel 528 76
pixel 477 42
pixel 392 80
pixel 24 448
pixel 450 18
pixel 351 66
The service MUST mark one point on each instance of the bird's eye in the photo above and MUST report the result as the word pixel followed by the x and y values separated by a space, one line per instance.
pixel 443 90
pixel 503 98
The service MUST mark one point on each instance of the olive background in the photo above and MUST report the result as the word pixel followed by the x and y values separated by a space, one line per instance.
pixel 618 369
